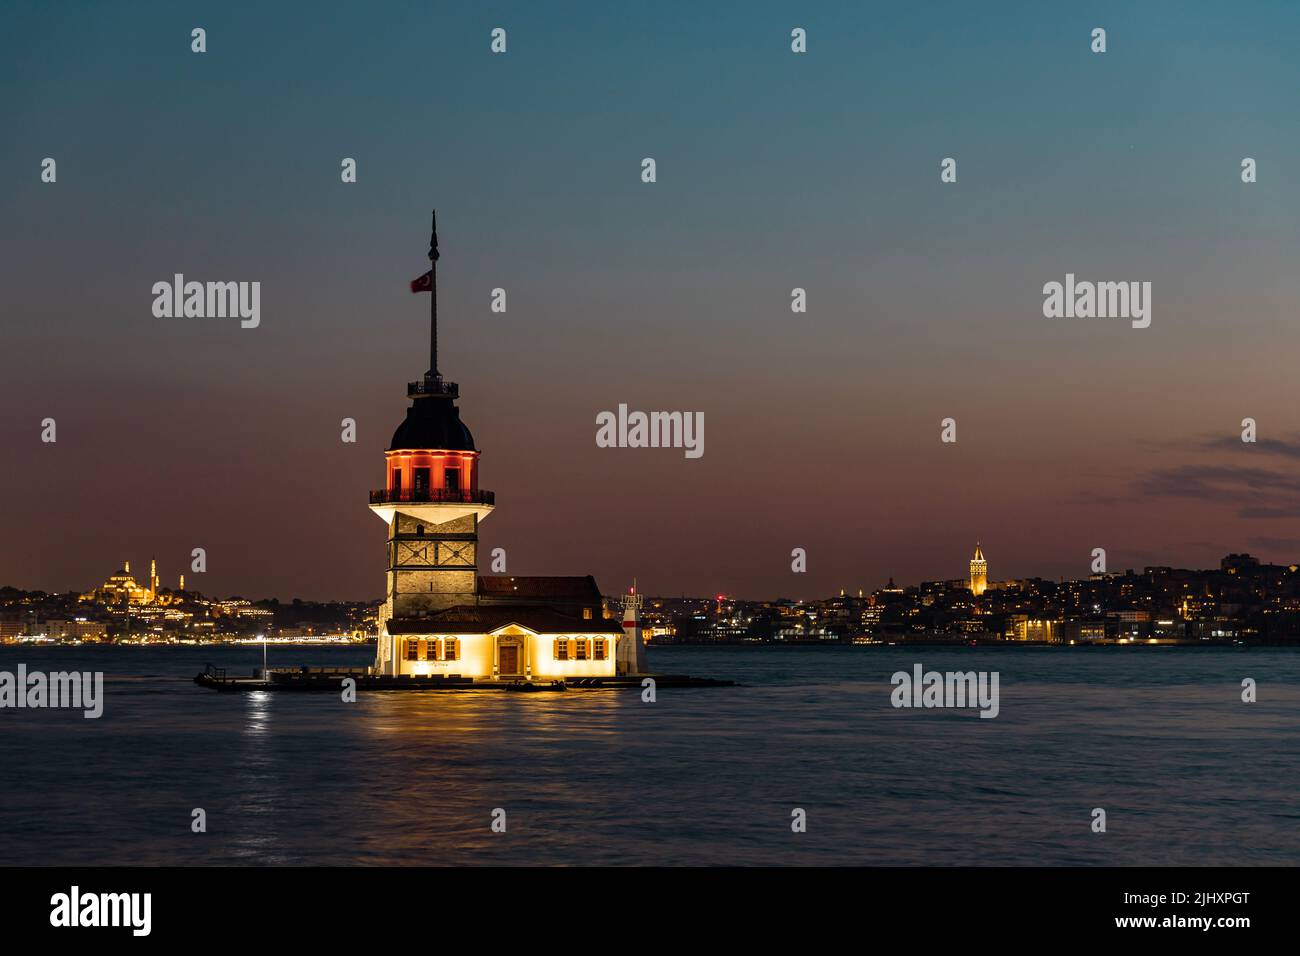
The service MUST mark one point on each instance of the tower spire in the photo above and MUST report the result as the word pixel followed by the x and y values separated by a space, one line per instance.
pixel 432 374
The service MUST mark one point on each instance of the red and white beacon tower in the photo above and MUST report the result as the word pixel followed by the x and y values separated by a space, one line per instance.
pixel 631 649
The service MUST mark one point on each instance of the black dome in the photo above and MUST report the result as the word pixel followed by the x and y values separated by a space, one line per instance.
pixel 432 422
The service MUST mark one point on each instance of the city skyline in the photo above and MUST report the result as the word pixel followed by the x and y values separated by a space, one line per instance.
pixel 924 298
pixel 1240 601
pixel 976 573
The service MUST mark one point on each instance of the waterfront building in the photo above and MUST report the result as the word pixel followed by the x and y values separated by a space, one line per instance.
pixel 1022 627
pixel 79 629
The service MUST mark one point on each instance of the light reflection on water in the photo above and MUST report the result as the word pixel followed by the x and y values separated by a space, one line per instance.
pixel 1187 773
pixel 257 780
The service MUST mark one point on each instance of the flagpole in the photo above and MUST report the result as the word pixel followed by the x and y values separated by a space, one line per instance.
pixel 433 299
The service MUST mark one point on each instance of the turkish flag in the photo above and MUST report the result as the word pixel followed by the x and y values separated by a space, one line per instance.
pixel 424 283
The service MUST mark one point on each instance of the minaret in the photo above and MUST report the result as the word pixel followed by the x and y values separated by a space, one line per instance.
pixel 630 653
pixel 153 579
pixel 979 572
pixel 431 500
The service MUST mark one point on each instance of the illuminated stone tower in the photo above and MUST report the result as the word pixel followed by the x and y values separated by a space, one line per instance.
pixel 431 499
pixel 979 572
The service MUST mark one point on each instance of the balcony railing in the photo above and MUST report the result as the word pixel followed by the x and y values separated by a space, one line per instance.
pixel 386 496
pixel 433 387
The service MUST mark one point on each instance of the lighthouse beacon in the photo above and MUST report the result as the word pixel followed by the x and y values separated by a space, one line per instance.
pixel 631 648
pixel 439 616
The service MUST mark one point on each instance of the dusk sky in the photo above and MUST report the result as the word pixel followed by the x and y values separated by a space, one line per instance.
pixel 775 170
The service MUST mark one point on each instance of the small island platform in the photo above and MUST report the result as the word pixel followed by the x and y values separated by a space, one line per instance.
pixel 330 680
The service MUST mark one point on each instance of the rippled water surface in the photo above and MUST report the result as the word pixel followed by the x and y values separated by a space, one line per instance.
pixel 1159 737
